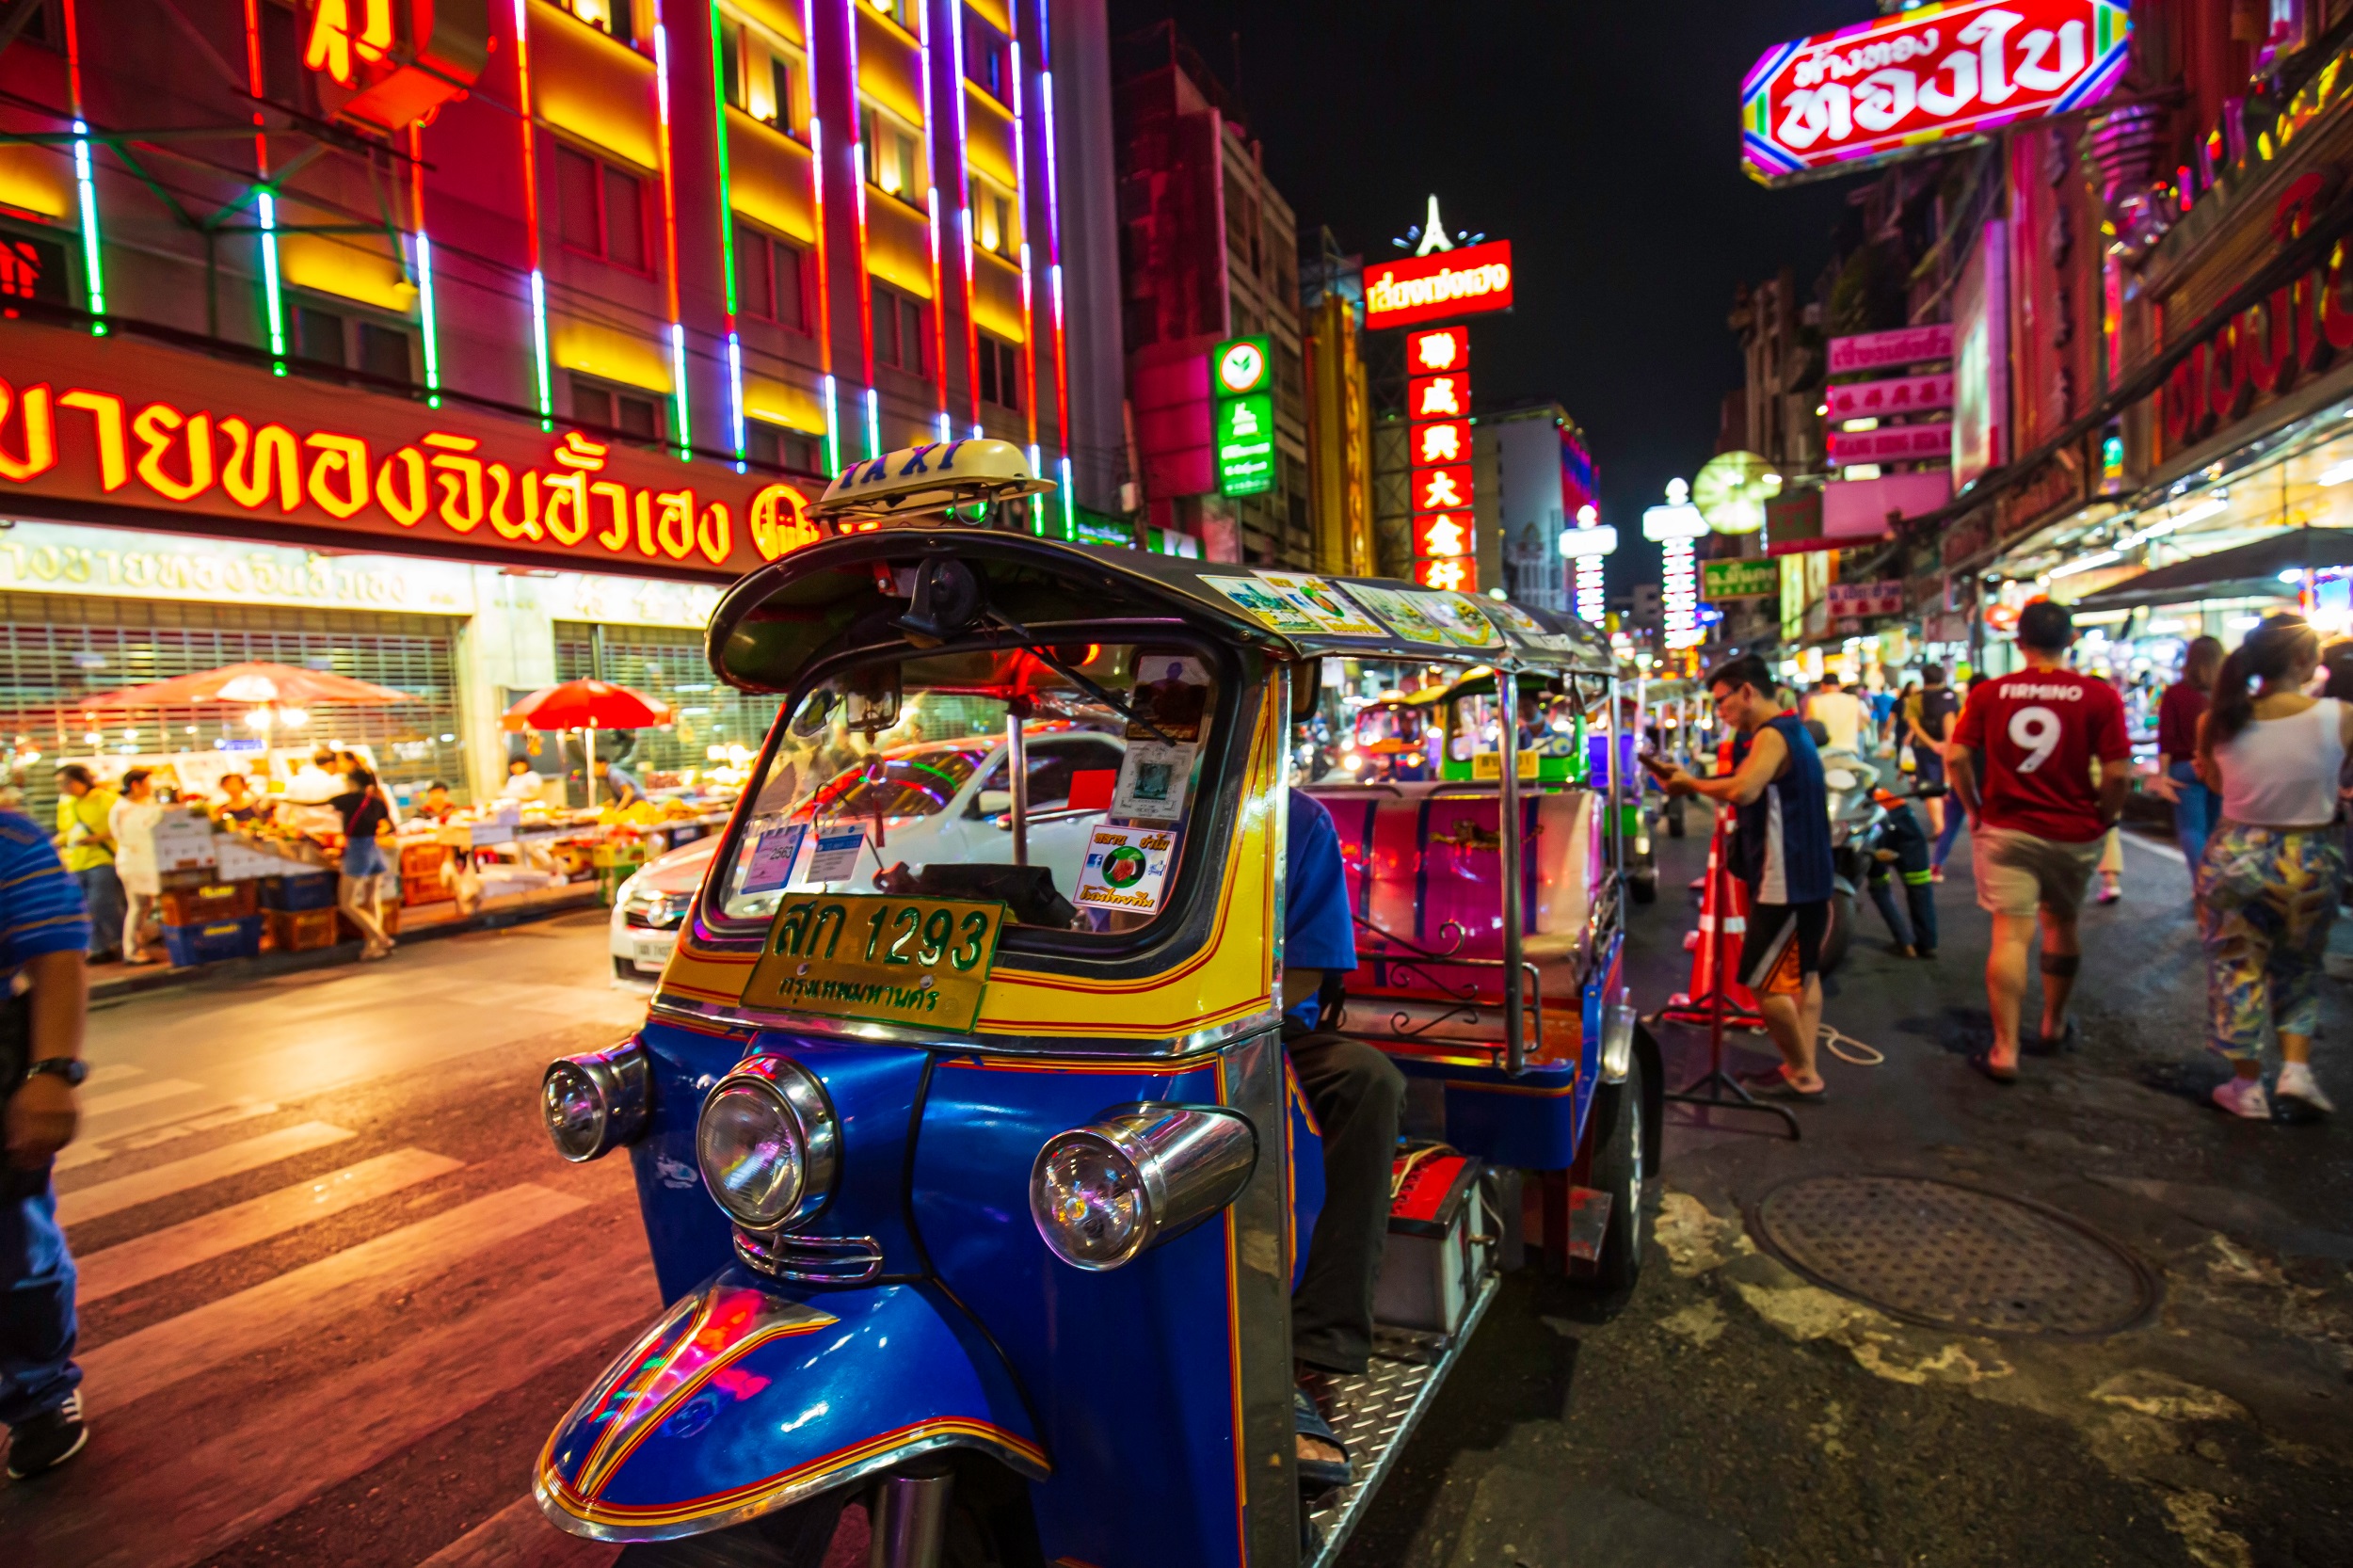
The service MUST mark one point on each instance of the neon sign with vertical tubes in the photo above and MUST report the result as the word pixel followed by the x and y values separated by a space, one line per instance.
pixel 428 319
pixel 727 229
pixel 1021 207
pixel 964 208
pixel 858 194
pixel 931 205
pixel 531 218
pixel 817 205
pixel 265 203
pixel 685 442
pixel 83 179
pixel 1053 263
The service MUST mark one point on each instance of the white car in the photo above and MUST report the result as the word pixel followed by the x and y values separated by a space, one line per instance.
pixel 947 801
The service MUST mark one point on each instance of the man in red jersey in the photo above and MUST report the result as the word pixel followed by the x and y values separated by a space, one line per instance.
pixel 2036 821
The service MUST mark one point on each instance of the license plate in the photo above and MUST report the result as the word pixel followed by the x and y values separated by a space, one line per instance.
pixel 885 960
pixel 655 951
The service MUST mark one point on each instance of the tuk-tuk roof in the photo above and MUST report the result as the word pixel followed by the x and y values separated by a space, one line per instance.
pixel 775 618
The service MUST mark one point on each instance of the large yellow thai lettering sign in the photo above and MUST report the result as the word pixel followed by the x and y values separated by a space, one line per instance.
pixel 120 430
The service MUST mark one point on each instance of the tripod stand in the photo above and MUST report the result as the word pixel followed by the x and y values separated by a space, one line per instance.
pixel 1722 1091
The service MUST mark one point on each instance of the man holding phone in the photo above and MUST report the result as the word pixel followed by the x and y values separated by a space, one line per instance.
pixel 1781 849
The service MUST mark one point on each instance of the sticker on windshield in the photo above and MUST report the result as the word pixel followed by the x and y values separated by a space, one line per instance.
pixel 768 869
pixel 1325 603
pixel 835 859
pixel 1172 693
pixel 1269 608
pixel 1523 626
pixel 1459 617
pixel 1126 867
pixel 1402 612
pixel 1152 782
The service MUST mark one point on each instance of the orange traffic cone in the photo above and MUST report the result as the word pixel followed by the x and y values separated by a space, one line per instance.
pixel 1724 901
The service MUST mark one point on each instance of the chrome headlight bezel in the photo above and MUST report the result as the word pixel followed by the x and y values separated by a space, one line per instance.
pixel 792 1093
pixel 1181 1162
pixel 1617 1041
pixel 605 1095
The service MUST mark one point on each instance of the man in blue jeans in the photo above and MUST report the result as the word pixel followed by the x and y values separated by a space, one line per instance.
pixel 44 931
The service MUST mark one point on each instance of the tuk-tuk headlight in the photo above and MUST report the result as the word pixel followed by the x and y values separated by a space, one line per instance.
pixel 594 1103
pixel 1103 1193
pixel 768 1143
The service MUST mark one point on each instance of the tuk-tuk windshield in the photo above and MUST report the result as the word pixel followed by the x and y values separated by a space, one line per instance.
pixel 898 776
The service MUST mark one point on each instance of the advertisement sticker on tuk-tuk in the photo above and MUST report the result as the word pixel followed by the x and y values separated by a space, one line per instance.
pixel 1126 867
pixel 885 960
pixel 1324 603
pixel 768 869
pixel 1172 692
pixel 835 859
pixel 1461 618
pixel 1263 605
pixel 1403 616
pixel 1152 782
pixel 1524 628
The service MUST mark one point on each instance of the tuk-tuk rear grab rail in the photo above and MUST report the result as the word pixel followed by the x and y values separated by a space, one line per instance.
pixel 1466 1006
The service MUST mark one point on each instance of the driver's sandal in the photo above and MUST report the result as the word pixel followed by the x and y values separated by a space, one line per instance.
pixel 1319 1476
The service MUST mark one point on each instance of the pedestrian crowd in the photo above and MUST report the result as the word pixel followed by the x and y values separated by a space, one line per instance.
pixel 2251 761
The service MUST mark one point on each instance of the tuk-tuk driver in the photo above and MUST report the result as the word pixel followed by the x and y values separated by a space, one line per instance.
pixel 1358 1097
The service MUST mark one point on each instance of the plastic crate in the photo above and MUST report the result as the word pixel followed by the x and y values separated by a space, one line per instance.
pixel 303 930
pixel 299 892
pixel 190 945
pixel 209 903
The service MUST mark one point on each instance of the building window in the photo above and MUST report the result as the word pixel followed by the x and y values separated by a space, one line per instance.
pixel 1000 372
pixel 630 413
pixel 757 72
pixel 601 208
pixel 32 267
pixel 891 163
pixel 996 221
pixel 898 330
pixel 984 61
pixel 617 17
pixel 768 276
pixel 900 11
pixel 780 446
pixel 283 79
pixel 370 347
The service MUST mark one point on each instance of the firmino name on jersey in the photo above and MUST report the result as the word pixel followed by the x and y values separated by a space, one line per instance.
pixel 2045 694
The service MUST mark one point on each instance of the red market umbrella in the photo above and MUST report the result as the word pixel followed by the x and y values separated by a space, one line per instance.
pixel 588 705
pixel 249 685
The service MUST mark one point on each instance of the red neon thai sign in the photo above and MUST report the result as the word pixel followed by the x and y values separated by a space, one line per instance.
pixel 1475 278
pixel 1911 83
pixel 117 430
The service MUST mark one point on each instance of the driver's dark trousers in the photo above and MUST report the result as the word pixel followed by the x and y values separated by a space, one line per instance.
pixel 1358 1097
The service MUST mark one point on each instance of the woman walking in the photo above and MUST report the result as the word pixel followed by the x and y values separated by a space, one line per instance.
pixel 132 824
pixel 2178 713
pixel 366 814
pixel 2267 886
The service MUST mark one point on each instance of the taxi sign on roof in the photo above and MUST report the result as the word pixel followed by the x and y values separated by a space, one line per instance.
pixel 929 478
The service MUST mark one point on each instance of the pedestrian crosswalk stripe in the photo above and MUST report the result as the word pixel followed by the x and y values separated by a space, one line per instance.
pixel 252 1461
pixel 313 1297
pixel 146 1093
pixel 519 1536
pixel 224 1231
pixel 89 1151
pixel 90 1203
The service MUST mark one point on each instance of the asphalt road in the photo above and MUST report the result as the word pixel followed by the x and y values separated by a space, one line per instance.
pixel 1731 1412
pixel 333 1296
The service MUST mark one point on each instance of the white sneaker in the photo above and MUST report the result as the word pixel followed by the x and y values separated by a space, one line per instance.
pixel 2300 1094
pixel 2243 1096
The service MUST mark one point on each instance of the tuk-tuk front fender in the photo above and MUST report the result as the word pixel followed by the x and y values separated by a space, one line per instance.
pixel 742 1399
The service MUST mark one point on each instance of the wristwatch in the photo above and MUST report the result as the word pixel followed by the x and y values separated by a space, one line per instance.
pixel 72 1068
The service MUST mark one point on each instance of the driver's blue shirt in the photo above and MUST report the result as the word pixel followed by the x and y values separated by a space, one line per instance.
pixel 1318 932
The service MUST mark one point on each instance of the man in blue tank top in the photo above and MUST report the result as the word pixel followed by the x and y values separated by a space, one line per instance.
pixel 1781 849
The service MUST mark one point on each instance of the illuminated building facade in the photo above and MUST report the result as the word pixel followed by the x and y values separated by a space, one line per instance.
pixel 687 256
pixel 1208 252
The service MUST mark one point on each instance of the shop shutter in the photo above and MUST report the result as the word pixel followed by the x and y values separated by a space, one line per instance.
pixel 57 650
pixel 667 664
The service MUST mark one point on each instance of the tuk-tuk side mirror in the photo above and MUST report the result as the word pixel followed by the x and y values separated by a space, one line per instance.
pixel 815 708
pixel 869 700
pixel 995 802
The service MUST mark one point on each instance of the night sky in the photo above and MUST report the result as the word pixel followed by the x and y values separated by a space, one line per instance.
pixel 1601 137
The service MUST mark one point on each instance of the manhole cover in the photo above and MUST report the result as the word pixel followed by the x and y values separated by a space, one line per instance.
pixel 1953 1257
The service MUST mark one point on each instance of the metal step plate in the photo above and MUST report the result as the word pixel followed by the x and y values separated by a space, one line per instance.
pixel 1376 1411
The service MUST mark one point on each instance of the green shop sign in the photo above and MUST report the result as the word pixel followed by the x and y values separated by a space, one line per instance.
pixel 1723 580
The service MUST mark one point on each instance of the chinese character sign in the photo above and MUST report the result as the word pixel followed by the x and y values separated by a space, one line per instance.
pixel 1442 489
pixel 1440 348
pixel 1440 440
pixel 1439 447
pixel 1437 397
pixel 1915 81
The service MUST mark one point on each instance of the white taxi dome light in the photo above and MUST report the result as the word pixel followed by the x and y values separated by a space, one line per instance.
pixel 929 479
